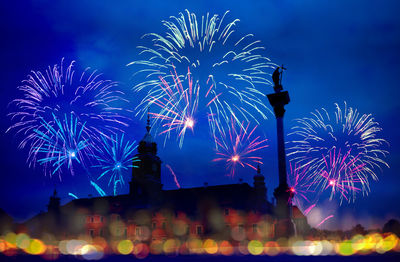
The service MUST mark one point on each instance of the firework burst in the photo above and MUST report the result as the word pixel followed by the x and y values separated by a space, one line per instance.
pixel 342 152
pixel 176 105
pixel 60 91
pixel 342 175
pixel 227 69
pixel 238 148
pixel 60 145
pixel 115 157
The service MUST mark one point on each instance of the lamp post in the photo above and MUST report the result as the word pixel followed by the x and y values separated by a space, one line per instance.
pixel 278 100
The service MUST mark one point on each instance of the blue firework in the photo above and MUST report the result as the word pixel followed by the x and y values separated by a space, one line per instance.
pixel 61 90
pixel 60 144
pixel 115 157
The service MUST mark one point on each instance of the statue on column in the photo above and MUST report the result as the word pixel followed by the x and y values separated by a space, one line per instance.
pixel 277 78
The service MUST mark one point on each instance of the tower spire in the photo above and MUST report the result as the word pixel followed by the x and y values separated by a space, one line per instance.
pixel 148 120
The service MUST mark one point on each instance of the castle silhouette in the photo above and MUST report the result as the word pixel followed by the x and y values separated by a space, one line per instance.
pixel 233 211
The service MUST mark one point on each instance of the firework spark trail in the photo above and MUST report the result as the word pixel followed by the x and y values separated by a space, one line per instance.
pixel 238 147
pixel 60 145
pixel 98 189
pixel 174 175
pixel 300 185
pixel 72 195
pixel 59 91
pixel 308 209
pixel 344 147
pixel 229 69
pixel 324 220
pixel 115 156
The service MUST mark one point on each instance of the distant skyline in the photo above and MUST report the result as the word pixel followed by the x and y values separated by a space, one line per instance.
pixel 334 52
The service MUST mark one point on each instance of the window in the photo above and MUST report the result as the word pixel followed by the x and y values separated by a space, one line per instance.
pixel 125 232
pixel 101 232
pixel 241 228
pixel 137 231
pixel 118 218
pixel 101 219
pixel 163 225
pixel 91 232
pixel 199 230
pixel 91 219
pixel 254 228
pixel 226 211
pixel 227 228
pixel 154 225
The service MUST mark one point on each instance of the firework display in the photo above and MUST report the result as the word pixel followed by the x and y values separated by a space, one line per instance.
pixel 341 150
pixel 238 148
pixel 114 158
pixel 62 90
pixel 226 71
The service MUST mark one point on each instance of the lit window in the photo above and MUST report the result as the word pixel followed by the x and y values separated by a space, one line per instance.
pixel 254 228
pixel 199 230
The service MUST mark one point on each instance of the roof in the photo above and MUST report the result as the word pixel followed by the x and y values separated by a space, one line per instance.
pixel 189 200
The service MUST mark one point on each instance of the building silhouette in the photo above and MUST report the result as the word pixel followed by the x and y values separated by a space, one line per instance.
pixel 235 211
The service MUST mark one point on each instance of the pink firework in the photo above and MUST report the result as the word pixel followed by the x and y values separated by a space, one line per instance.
pixel 174 175
pixel 342 175
pixel 175 105
pixel 238 148
pixel 300 184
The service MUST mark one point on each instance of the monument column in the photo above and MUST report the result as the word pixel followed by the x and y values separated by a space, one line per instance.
pixel 278 100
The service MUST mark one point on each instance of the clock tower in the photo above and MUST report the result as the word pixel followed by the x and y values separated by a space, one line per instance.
pixel 146 178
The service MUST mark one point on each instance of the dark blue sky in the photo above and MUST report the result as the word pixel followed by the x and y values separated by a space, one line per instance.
pixel 335 51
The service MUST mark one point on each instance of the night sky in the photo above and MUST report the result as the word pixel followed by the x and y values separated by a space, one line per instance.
pixel 334 51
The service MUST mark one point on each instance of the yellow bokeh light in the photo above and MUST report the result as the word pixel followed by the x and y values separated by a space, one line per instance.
pixel 35 247
pixel 345 248
pixel 11 238
pixel 125 247
pixel 210 246
pixel 255 247
pixel 386 244
pixel 171 246
pixel 22 241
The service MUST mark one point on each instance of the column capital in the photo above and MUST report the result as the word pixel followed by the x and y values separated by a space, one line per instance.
pixel 278 101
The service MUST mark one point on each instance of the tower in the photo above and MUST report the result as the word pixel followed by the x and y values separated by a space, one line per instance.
pixel 259 186
pixel 260 193
pixel 54 202
pixel 146 178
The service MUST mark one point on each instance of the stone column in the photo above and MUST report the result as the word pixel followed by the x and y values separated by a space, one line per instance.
pixel 284 227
